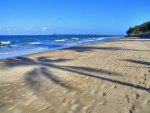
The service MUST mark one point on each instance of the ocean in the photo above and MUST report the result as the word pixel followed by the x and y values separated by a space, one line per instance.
pixel 15 46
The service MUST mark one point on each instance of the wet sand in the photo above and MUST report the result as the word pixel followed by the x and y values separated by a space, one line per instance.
pixel 110 77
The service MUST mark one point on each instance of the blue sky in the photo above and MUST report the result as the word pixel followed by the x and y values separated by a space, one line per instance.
pixel 19 17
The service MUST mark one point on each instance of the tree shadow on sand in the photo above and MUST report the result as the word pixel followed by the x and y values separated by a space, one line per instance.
pixel 91 48
pixel 34 81
pixel 137 62
pixel 46 64
pixel 33 77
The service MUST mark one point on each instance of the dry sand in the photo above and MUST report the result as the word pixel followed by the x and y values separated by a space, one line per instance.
pixel 111 77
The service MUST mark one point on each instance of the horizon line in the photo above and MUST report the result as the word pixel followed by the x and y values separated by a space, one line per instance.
pixel 64 34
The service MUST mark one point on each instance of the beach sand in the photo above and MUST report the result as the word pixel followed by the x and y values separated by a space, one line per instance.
pixel 110 77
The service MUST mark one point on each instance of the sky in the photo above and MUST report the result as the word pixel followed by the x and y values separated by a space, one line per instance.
pixel 44 17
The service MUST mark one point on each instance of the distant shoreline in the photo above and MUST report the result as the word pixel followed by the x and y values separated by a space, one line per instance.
pixel 65 35
pixel 139 36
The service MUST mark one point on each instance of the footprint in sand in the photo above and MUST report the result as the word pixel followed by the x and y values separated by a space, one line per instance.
pixel 132 109
pixel 75 106
pixel 98 81
pixel 102 94
pixel 74 101
pixel 114 87
pixel 28 102
pixel 147 102
pixel 104 86
pixel 87 109
pixel 62 99
pixel 127 98
pixel 102 103
pixel 45 107
pixel 136 96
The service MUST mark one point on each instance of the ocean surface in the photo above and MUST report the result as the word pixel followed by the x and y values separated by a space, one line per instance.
pixel 14 46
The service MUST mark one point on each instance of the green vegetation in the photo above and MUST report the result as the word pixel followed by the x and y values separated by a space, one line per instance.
pixel 140 29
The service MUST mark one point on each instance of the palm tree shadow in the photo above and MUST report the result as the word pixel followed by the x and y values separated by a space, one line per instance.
pixel 87 69
pixel 138 62
pixel 112 81
pixel 33 79
pixel 45 64
pixel 55 79
pixel 45 59
pixel 91 48
pixel 24 61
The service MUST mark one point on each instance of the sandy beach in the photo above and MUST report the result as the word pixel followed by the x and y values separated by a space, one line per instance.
pixel 110 77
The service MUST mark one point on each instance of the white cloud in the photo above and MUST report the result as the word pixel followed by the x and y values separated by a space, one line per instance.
pixel 44 28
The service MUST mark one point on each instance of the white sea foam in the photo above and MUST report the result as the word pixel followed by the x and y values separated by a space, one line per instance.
pixel 5 42
pixel 86 41
pixel 41 48
pixel 100 38
pixel 14 45
pixel 75 38
pixel 5 53
pixel 23 50
pixel 34 43
pixel 63 40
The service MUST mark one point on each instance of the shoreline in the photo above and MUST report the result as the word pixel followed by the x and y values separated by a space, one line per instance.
pixel 63 48
pixel 99 78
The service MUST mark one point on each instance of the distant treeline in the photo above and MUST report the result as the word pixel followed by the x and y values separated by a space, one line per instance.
pixel 140 29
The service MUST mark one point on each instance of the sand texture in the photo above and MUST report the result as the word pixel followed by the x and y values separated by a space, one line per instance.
pixel 111 77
